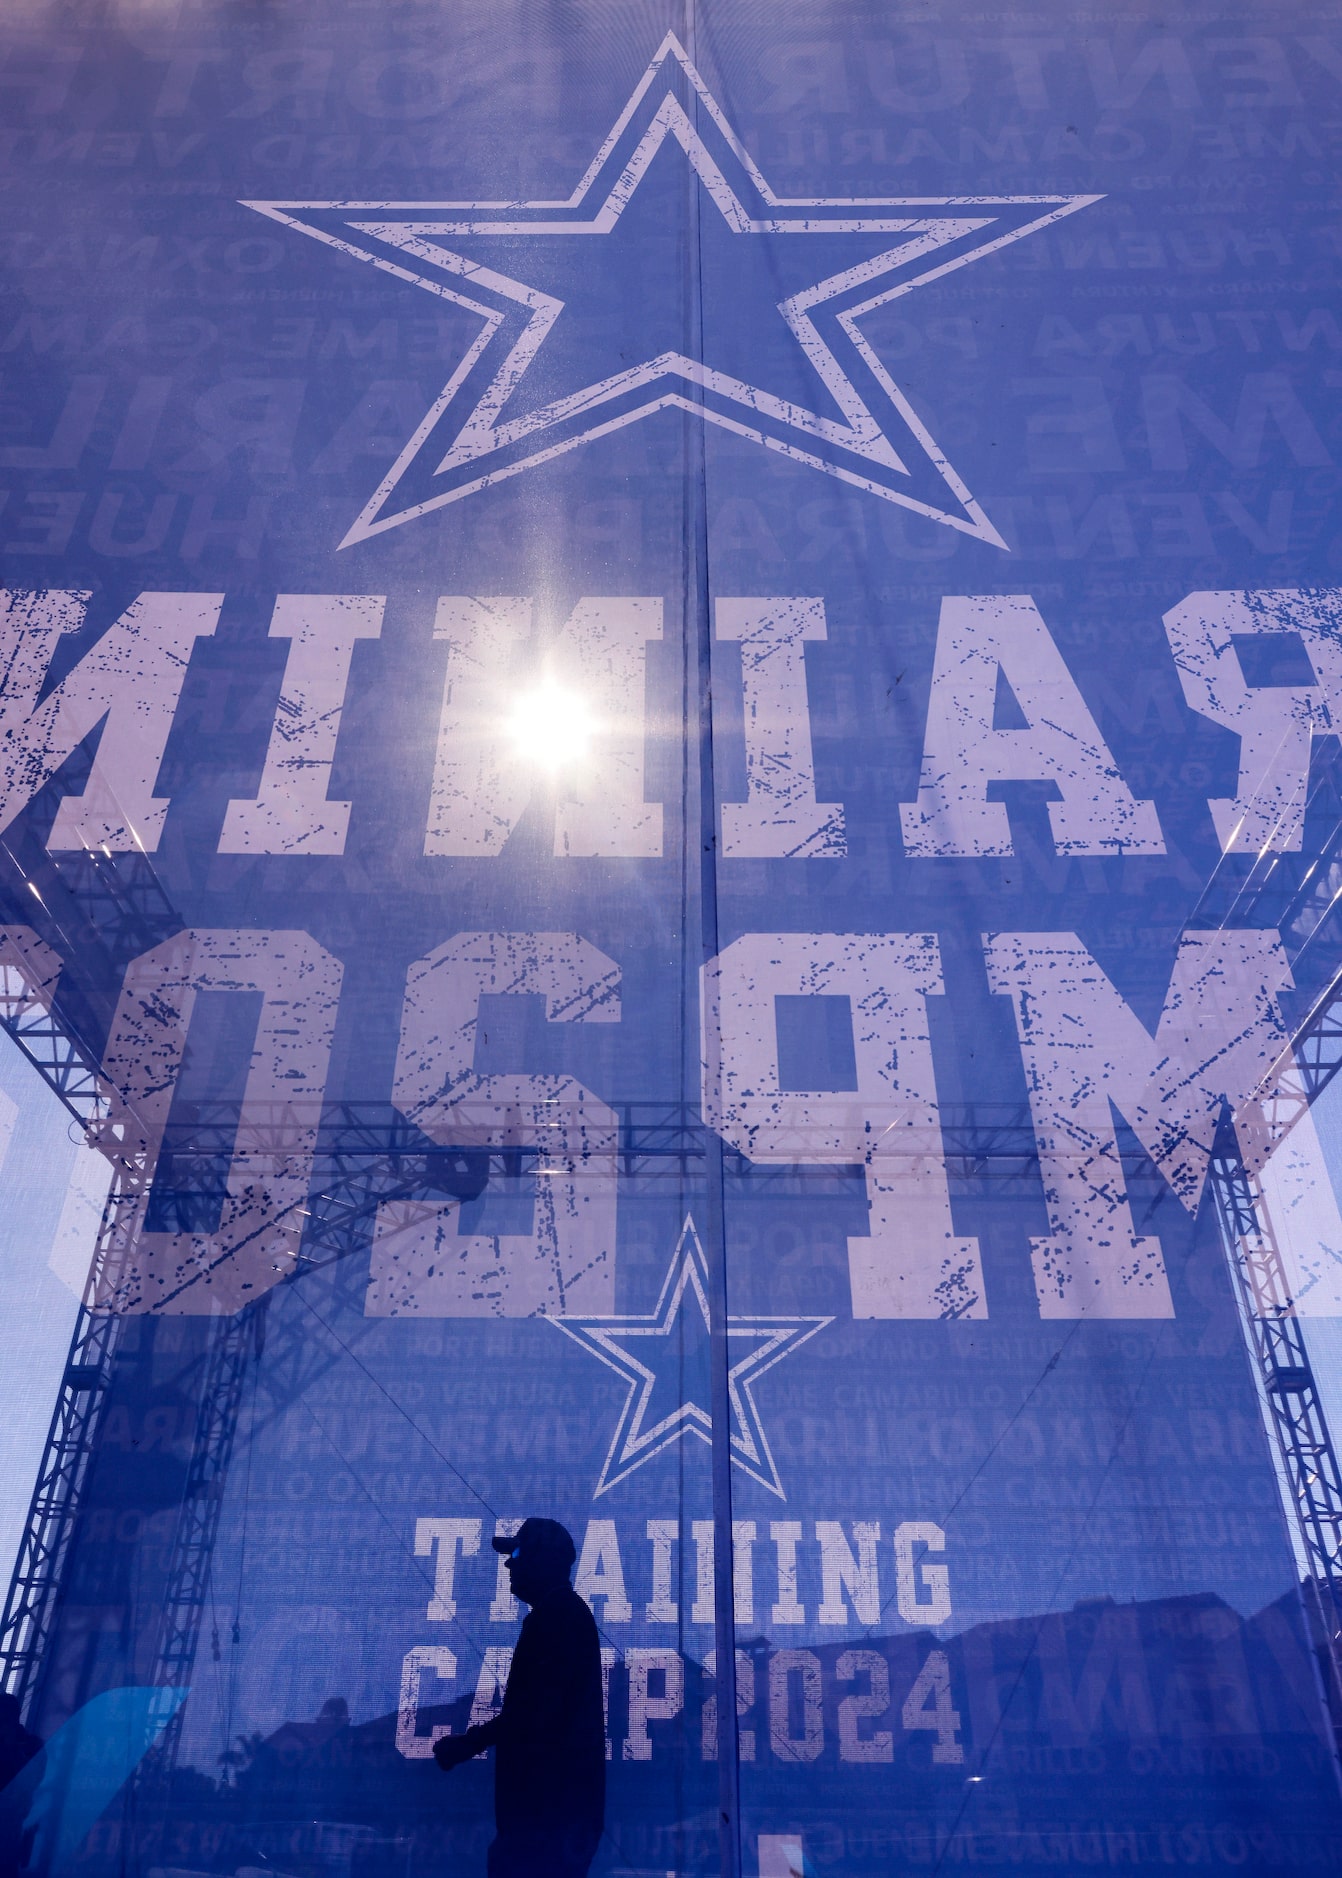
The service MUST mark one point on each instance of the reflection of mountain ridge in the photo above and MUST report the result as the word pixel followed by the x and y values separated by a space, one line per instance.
pixel 1143 1722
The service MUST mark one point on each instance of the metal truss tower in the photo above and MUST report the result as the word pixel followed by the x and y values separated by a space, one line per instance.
pixel 1306 1459
pixel 117 905
pixel 28 973
pixel 1303 1450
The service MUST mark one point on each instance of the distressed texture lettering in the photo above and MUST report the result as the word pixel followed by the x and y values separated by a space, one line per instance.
pixel 780 817
pixel 910 1263
pixel 423 1265
pixel 1275 723
pixel 290 813
pixel 129 682
pixel 1086 1052
pixel 981 640
pixel 256 1242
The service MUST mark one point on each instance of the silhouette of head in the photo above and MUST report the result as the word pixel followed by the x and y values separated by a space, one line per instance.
pixel 9 1714
pixel 539 1557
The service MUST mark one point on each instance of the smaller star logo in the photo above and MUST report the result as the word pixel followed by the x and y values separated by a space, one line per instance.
pixel 663 1357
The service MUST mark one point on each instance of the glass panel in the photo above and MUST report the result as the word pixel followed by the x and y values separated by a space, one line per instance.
pixel 668 813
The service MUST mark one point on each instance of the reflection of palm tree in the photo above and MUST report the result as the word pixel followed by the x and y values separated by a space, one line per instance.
pixel 240 1758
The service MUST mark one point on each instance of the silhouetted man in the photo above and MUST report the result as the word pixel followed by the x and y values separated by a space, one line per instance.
pixel 550 1736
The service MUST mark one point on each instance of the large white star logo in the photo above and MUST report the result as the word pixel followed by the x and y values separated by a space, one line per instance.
pixel 664 1359
pixel 521 393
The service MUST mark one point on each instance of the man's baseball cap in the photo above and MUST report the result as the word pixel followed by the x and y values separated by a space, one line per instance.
pixel 540 1538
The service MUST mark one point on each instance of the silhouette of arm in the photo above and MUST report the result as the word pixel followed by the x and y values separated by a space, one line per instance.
pixel 451 1750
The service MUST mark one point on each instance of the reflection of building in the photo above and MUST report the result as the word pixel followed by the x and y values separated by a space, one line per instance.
pixel 1150 1704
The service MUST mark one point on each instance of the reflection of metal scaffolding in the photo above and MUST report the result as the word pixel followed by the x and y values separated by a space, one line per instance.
pixel 28 972
pixel 117 905
pixel 232 1341
pixel 358 1179
pixel 1301 904
pixel 29 1616
pixel 1306 1460
pixel 368 1156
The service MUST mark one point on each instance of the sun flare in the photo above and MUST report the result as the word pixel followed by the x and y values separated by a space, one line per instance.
pixel 551 727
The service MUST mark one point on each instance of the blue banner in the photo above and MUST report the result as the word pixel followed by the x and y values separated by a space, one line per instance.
pixel 668 688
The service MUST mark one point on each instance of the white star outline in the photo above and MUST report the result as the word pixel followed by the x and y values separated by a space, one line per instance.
pixel 633 1444
pixel 482 452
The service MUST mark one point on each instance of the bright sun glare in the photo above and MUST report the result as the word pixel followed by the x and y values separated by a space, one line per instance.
pixel 551 727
